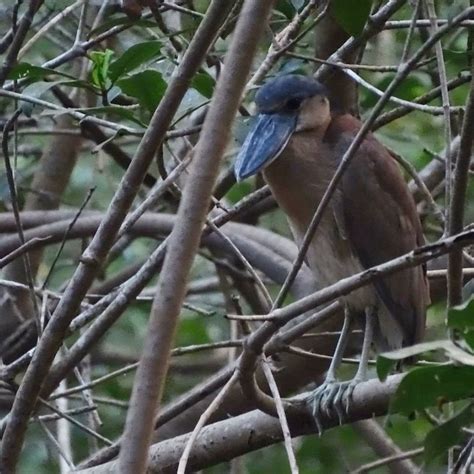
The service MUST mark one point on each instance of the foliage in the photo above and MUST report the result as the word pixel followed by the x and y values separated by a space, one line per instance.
pixel 117 84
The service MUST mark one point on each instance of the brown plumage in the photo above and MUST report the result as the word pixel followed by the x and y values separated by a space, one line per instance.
pixel 372 219
pixel 299 142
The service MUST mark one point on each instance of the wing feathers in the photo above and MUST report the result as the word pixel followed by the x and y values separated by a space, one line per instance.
pixel 381 222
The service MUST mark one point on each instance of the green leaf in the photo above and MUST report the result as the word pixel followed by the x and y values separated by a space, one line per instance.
pixel 147 86
pixel 448 434
pixel 384 366
pixel 204 84
pixel 469 338
pixel 34 73
pixel 432 386
pixel 239 190
pixel 462 316
pixel 387 360
pixel 352 14
pixel 456 58
pixel 285 7
pixel 193 330
pixel 134 57
pixel 100 68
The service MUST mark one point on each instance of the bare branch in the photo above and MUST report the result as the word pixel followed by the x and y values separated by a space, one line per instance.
pixel 458 196
pixel 97 251
pixel 233 437
pixel 19 35
pixel 184 240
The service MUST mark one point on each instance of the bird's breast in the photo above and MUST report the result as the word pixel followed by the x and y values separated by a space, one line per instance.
pixel 298 180
pixel 331 259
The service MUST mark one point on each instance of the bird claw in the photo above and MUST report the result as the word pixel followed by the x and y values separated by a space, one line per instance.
pixel 322 403
pixel 332 397
pixel 344 395
pixel 314 401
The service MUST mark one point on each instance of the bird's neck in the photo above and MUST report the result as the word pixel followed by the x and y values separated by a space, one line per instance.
pixel 300 175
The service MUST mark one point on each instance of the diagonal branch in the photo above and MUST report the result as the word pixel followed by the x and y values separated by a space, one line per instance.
pixel 97 251
pixel 254 346
pixel 458 195
pixel 18 38
pixel 184 240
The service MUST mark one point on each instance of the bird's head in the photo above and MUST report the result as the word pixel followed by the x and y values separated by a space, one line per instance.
pixel 286 105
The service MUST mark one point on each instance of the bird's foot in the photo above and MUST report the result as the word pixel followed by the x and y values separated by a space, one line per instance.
pixel 344 396
pixel 332 397
pixel 322 402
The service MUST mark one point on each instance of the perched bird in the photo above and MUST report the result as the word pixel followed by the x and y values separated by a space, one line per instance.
pixel 298 142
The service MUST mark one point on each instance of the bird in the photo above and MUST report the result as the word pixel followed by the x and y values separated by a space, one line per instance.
pixel 298 140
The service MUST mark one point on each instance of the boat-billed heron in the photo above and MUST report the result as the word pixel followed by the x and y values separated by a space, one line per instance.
pixel 298 142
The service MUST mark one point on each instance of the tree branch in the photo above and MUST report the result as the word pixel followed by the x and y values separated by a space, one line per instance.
pixel 236 436
pixel 458 196
pixel 96 252
pixel 184 240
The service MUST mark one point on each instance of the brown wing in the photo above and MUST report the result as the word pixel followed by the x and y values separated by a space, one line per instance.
pixel 382 223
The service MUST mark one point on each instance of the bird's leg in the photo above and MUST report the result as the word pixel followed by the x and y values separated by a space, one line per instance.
pixel 344 394
pixel 323 396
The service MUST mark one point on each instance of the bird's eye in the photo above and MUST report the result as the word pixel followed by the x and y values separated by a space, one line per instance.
pixel 294 104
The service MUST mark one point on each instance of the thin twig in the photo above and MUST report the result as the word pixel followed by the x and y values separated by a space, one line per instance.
pixel 80 425
pixel 63 433
pixel 406 46
pixel 153 196
pixel 54 442
pixel 398 112
pixel 389 459
pixel 214 405
pixel 411 170
pixel 16 211
pixel 22 249
pixel 355 67
pixel 283 41
pixel 72 112
pixel 72 412
pixel 433 110
pixel 398 24
pixel 246 317
pixel 65 238
pixel 282 417
pixel 446 107
pixel 179 351
pixel 245 262
pixel 45 28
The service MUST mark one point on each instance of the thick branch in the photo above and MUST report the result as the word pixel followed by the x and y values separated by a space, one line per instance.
pixel 184 240
pixel 96 253
pixel 230 438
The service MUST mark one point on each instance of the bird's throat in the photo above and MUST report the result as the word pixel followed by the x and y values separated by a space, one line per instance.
pixel 299 177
